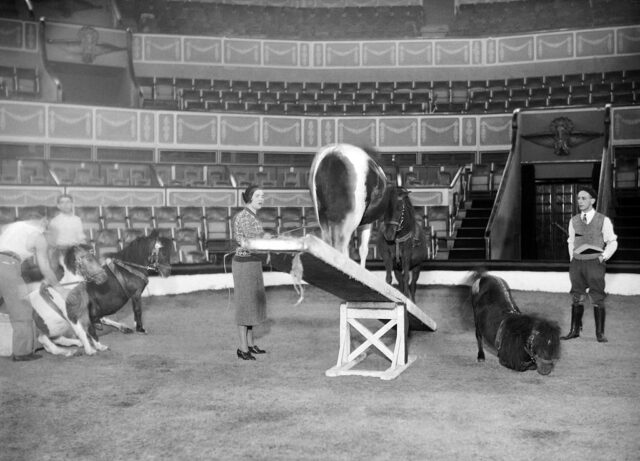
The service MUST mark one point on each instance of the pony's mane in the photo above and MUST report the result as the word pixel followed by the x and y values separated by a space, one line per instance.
pixel 70 256
pixel 138 250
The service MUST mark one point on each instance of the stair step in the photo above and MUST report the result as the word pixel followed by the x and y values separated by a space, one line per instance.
pixel 467 253
pixel 478 213
pixel 627 254
pixel 468 242
pixel 481 203
pixel 470 232
pixel 474 222
pixel 628 210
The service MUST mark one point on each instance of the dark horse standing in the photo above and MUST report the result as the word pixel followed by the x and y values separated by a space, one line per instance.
pixel 523 342
pixel 402 243
pixel 127 279
pixel 349 191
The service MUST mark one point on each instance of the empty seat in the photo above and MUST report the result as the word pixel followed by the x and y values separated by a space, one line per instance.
pixel 8 215
pixel 107 243
pixel 217 223
pixel 291 220
pixel 191 216
pixel 269 218
pixel 129 235
pixel 114 217
pixel 140 217
pixel 480 177
pixel 166 217
pixel 438 219
pixel 189 245
pixel 31 212
pixel 90 217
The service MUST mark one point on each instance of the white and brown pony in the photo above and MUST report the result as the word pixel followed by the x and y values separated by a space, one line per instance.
pixel 67 323
pixel 349 191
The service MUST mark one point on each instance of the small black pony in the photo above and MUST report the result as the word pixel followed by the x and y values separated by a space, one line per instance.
pixel 402 243
pixel 127 279
pixel 523 342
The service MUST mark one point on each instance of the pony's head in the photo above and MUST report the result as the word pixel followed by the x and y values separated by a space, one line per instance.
pixel 399 216
pixel 543 345
pixel 160 254
pixel 81 260
pixel 151 252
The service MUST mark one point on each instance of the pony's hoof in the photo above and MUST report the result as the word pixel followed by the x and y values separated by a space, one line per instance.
pixel 480 359
pixel 127 331
pixel 141 330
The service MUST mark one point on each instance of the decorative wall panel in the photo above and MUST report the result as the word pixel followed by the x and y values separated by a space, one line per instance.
pixel 629 40
pixel 70 122
pixel 240 131
pixel 29 195
pixel 515 49
pixel 379 54
pixel 280 54
pixel 281 131
pixel 292 198
pixel 342 54
pixel 415 53
pixel 595 43
pixel 202 197
pixel 116 125
pixel 165 48
pixel 197 129
pixel 440 131
pixel 202 50
pixel 452 53
pixel 11 34
pixel 358 131
pixel 626 124
pixel 120 196
pixel 398 132
pixel 246 52
pixel 18 119
pixel 554 46
pixel 495 131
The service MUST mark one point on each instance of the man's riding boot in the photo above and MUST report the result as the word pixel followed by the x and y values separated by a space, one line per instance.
pixel 599 315
pixel 576 321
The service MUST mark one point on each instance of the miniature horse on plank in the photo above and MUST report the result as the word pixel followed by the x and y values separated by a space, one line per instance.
pixel 523 342
pixel 403 243
pixel 349 190
pixel 127 279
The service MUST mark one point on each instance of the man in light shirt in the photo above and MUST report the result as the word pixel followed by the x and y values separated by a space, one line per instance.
pixel 591 243
pixel 19 241
pixel 65 230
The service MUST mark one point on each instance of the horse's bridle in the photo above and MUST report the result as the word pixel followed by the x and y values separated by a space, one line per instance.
pixel 80 258
pixel 398 225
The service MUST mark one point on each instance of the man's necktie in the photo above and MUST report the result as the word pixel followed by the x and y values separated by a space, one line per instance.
pixel 584 218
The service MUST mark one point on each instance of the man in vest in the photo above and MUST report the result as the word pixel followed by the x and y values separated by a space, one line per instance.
pixel 591 243
pixel 19 241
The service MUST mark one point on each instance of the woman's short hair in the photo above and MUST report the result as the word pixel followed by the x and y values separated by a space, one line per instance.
pixel 247 195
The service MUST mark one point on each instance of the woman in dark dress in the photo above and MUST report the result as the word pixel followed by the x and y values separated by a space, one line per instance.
pixel 249 295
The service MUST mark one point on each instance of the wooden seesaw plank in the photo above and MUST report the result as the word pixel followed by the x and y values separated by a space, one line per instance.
pixel 333 272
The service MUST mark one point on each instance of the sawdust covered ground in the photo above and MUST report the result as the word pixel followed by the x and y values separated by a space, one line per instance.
pixel 180 392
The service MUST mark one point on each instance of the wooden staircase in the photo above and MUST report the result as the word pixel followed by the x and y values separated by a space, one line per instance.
pixel 626 224
pixel 469 242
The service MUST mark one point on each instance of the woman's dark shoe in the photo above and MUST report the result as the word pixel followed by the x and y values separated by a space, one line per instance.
pixel 257 350
pixel 245 355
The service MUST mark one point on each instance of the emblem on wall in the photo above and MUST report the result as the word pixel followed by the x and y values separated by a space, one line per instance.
pixel 562 136
pixel 87 45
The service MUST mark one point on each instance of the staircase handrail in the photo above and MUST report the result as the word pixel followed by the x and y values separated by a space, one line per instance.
pixel 45 60
pixel 604 203
pixel 513 161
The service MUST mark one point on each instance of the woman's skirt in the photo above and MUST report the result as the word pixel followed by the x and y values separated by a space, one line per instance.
pixel 249 295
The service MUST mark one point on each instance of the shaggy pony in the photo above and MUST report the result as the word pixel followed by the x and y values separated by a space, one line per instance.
pixel 523 342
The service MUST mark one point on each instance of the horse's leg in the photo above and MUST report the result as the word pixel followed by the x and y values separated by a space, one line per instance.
pixel 83 336
pixel 365 235
pixel 122 328
pixel 415 275
pixel 52 348
pixel 93 335
pixel 478 336
pixel 67 342
pixel 136 301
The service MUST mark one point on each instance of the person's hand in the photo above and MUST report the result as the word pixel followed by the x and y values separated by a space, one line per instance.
pixel 601 259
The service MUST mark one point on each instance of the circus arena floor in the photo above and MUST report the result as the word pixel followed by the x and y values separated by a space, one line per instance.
pixel 179 392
